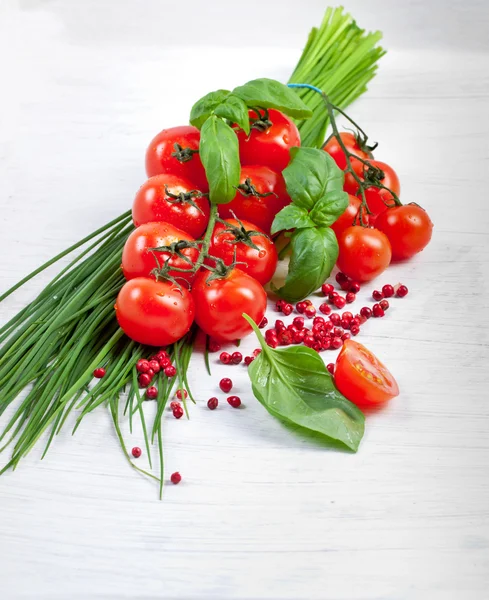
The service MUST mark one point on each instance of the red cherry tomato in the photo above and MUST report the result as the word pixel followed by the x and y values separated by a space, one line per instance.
pixel 350 216
pixel 153 203
pixel 233 237
pixel 376 198
pixel 364 253
pixel 139 261
pixel 261 196
pixel 175 151
pixel 220 303
pixel 152 312
pixel 361 377
pixel 271 146
pixel 409 229
pixel 351 143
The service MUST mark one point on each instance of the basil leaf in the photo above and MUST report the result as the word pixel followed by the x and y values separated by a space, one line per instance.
pixel 236 111
pixel 268 93
pixel 291 217
pixel 294 385
pixel 220 157
pixel 314 254
pixel 204 107
pixel 311 176
pixel 325 212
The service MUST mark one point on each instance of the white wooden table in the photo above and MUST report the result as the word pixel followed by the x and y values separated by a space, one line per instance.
pixel 261 513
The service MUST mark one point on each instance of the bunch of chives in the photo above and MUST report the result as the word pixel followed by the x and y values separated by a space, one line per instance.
pixel 340 59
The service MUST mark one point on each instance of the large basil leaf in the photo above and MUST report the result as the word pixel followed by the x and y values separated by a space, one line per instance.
pixel 204 107
pixel 220 157
pixel 311 176
pixel 294 385
pixel 291 217
pixel 325 212
pixel 268 93
pixel 235 110
pixel 314 254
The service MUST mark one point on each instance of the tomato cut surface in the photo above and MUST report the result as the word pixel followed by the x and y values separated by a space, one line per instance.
pixel 362 378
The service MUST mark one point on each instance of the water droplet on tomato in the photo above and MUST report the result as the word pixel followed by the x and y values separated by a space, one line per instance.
pixel 285 138
pixel 261 254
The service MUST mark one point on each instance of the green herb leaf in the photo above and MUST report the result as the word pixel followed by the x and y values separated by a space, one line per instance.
pixel 268 93
pixel 294 385
pixel 204 107
pixel 220 157
pixel 312 176
pixel 291 217
pixel 314 254
pixel 325 212
pixel 235 110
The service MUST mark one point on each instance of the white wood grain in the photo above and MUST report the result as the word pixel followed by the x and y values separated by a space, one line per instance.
pixel 261 512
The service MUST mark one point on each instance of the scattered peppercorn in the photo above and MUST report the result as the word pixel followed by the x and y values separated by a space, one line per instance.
pixel 402 291
pixel 175 478
pixel 152 392
pixel 226 385
pixel 234 401
pixel 212 403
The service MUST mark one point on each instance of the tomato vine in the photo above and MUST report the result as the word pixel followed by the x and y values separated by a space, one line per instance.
pixel 372 174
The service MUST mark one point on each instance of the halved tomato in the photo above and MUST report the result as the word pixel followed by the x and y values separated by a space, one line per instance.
pixel 361 377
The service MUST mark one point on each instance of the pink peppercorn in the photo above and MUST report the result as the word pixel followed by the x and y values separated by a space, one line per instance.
pixel 152 392
pixel 175 478
pixel 213 402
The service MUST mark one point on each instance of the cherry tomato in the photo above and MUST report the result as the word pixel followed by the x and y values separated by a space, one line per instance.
pixel 364 253
pixel 376 198
pixel 361 377
pixel 234 237
pixel 350 216
pixel 153 203
pixel 175 151
pixel 408 228
pixel 351 143
pixel 220 303
pixel 261 195
pixel 152 312
pixel 139 261
pixel 271 146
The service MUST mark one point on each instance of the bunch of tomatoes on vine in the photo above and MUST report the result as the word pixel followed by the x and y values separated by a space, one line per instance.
pixel 193 258
pixel 376 228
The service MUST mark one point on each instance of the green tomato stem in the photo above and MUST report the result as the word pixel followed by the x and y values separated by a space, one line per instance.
pixel 207 238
